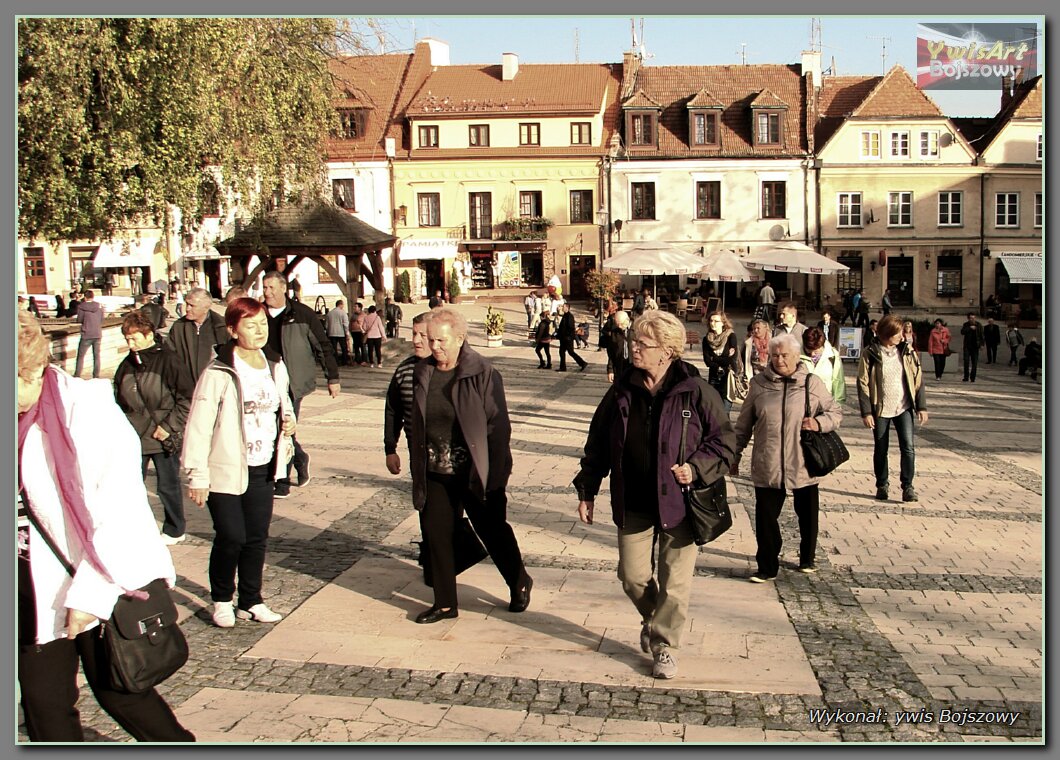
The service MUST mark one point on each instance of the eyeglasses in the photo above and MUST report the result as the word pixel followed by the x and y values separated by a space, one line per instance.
pixel 642 346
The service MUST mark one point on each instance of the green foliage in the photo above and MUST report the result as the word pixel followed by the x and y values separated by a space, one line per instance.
pixel 602 283
pixel 454 284
pixel 525 228
pixel 403 288
pixel 494 322
pixel 118 117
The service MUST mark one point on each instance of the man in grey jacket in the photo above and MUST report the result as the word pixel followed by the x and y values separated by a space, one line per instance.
pixel 90 316
pixel 297 335
pixel 194 336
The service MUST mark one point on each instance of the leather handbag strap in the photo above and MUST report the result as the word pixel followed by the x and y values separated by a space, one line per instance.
pixel 46 535
pixel 685 415
pixel 807 395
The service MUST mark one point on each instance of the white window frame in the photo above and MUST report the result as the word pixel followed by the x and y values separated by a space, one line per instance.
pixel 931 136
pixel 948 204
pixel 854 219
pixel 900 134
pixel 1039 146
pixel 897 199
pixel 867 144
pixel 1038 211
pixel 997 210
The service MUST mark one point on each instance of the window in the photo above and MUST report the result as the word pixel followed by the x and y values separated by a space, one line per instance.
pixel 929 144
pixel 529 134
pixel 950 205
pixel 428 137
pixel 900 209
pixel 899 145
pixel 342 192
pixel 642 129
pixel 704 128
pixel 1039 147
pixel 352 122
pixel 643 200
pixel 773 200
pixel 1007 210
pixel 708 200
pixel 480 216
pixel 849 214
pixel 581 206
pixel 1037 209
pixel 850 279
pixel 870 144
pixel 429 209
pixel 950 264
pixel 581 133
pixel 530 203
pixel 479 136
pixel 767 129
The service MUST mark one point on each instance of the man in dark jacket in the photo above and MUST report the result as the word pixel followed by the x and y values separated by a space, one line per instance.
pixel 194 336
pixel 393 318
pixel 973 341
pixel 297 335
pixel 992 338
pixel 90 316
pixel 565 333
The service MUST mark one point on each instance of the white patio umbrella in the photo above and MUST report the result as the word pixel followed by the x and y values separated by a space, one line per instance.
pixel 655 259
pixel 728 266
pixel 793 257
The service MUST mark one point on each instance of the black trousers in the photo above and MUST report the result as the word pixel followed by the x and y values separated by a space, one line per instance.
pixel 940 365
pixel 971 363
pixel 47 678
pixel 567 347
pixel 768 502
pixel 546 360
pixel 341 347
pixel 375 348
pixel 359 356
pixel 447 499
pixel 991 353
pixel 241 535
pixel 1014 359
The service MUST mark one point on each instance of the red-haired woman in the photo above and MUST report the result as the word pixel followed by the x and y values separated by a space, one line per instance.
pixel 236 443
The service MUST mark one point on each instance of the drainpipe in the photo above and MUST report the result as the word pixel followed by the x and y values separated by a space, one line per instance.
pixel 817 212
pixel 982 235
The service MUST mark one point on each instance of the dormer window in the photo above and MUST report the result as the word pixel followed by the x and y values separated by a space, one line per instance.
pixel 641 129
pixel 767 128
pixel 703 127
pixel 352 123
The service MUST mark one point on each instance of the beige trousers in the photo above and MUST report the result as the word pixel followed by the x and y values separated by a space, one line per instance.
pixel 663 601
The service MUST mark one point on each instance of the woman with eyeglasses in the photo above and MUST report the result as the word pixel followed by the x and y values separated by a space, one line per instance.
pixel 636 437
pixel 720 355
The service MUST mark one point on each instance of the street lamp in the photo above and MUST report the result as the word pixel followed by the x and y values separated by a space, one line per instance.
pixel 603 220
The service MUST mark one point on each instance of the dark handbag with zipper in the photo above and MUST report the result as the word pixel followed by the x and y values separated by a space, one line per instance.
pixel 143 641
pixel 468 550
pixel 172 445
pixel 708 506
pixel 821 452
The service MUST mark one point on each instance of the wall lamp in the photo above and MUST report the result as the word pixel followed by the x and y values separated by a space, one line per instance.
pixel 872 265
pixel 927 264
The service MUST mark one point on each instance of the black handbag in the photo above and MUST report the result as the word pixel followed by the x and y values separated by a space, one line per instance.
pixel 143 641
pixel 707 506
pixel 468 550
pixel 821 452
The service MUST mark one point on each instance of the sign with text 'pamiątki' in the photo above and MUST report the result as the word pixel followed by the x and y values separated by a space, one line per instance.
pixel 974 56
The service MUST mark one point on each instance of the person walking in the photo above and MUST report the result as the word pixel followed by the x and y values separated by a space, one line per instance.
pixel 973 342
pixel 774 413
pixel 1014 338
pixel 823 361
pixel 154 390
pixel 939 346
pixel 768 298
pixel 397 412
pixel 393 318
pixel 565 332
pixel 830 328
pixel 543 341
pixel 90 313
pixel 789 322
pixel 338 329
pixel 992 339
pixel 194 336
pixel 237 441
pixel 756 349
pixel 461 460
pixel 721 355
pixel 885 302
pixel 619 346
pixel 528 304
pixel 373 337
pixel 90 499
pixel 360 356
pixel 891 391
pixel 635 437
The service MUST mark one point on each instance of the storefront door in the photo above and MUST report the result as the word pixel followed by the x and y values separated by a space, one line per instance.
pixel 579 265
pixel 900 280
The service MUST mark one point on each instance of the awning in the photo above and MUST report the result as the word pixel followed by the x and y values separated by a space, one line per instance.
pixel 122 253
pixel 427 248
pixel 1023 268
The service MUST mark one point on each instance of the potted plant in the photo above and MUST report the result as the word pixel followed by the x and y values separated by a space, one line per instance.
pixel 494 327
pixel 454 286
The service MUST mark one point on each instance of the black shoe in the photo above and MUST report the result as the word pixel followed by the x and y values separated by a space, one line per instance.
pixel 881 494
pixel 433 615
pixel 908 494
pixel 303 473
pixel 548 366
pixel 281 490
pixel 521 595
pixel 584 366
pixel 540 366
pixel 561 369
pixel 964 379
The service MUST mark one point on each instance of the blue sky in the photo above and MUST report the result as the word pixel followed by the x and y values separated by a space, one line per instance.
pixel 856 43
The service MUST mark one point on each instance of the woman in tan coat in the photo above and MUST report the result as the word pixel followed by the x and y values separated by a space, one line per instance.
pixel 775 413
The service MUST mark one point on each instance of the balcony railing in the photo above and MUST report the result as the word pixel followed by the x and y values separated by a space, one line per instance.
pixel 524 228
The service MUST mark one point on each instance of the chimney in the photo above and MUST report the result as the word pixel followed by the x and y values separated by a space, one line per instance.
pixel 630 68
pixel 439 51
pixel 1006 91
pixel 811 64
pixel 509 66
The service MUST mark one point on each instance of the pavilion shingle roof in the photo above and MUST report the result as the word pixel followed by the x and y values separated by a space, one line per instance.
pixel 311 226
pixel 734 88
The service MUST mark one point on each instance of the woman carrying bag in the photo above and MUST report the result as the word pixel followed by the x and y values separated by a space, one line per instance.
pixel 721 355
pixel 939 346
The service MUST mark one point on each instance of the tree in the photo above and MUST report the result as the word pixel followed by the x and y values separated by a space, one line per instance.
pixel 119 117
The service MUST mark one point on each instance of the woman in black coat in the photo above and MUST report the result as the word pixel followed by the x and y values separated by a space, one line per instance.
pixel 542 341
pixel 721 355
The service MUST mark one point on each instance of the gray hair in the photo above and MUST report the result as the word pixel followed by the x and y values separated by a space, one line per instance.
pixel 275 275
pixel 447 315
pixel 423 316
pixel 785 340
pixel 198 295
pixel 622 319
pixel 664 328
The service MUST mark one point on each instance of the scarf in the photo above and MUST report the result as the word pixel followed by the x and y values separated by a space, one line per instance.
pixel 48 413
pixel 717 341
pixel 761 346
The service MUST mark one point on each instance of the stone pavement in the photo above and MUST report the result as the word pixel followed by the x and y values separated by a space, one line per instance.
pixel 931 609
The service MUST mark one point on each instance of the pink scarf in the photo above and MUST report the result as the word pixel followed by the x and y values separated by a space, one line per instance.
pixel 49 414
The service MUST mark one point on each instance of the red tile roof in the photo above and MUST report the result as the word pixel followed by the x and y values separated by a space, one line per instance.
pixel 640 100
pixel 371 82
pixel 838 98
pixel 897 95
pixel 735 88
pixel 1026 103
pixel 704 99
pixel 766 99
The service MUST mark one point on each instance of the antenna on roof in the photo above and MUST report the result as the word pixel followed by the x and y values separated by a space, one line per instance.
pixel 815 34
pixel 643 51
pixel 743 53
pixel 576 60
pixel 883 49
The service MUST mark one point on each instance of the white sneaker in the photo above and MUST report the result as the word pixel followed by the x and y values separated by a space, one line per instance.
pixel 259 613
pixel 169 540
pixel 224 615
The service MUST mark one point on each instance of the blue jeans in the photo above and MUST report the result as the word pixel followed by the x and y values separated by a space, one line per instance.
pixel 82 349
pixel 167 472
pixel 903 424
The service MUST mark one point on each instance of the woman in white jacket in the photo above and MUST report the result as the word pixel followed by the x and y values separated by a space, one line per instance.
pixel 79 473
pixel 237 442
pixel 823 360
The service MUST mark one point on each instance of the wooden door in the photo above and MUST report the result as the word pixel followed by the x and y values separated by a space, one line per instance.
pixel 36 281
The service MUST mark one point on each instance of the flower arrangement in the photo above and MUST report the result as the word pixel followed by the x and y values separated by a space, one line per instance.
pixel 494 322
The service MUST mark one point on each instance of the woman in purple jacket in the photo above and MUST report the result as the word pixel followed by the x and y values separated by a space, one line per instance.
pixel 635 435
